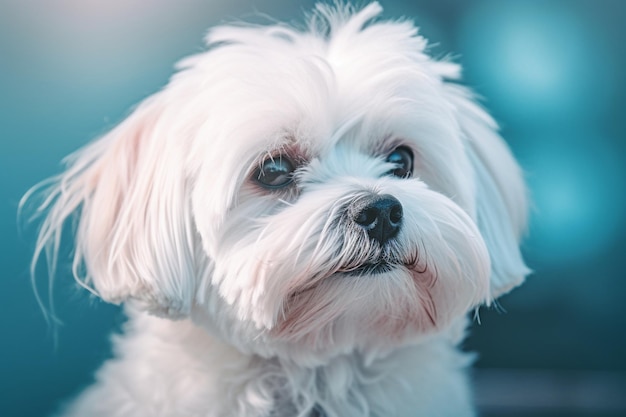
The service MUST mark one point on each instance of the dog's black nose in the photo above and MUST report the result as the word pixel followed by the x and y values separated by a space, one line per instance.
pixel 381 217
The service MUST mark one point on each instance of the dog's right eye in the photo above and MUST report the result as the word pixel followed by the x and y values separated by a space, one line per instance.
pixel 402 157
pixel 275 172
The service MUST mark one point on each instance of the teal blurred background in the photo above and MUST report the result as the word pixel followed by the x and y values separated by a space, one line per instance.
pixel 552 73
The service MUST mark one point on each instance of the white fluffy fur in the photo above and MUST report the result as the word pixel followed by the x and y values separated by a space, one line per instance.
pixel 236 296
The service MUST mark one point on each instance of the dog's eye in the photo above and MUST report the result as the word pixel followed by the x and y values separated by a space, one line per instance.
pixel 402 157
pixel 275 172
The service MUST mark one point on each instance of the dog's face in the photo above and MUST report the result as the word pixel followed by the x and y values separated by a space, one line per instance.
pixel 301 193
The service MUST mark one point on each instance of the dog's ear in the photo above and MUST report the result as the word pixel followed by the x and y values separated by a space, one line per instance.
pixel 501 196
pixel 133 238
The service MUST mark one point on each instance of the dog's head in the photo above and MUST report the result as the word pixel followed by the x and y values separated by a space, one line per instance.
pixel 311 191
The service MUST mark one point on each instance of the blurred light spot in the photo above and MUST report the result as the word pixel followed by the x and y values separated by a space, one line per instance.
pixel 536 59
pixel 578 193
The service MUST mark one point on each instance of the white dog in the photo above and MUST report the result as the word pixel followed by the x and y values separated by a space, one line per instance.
pixel 297 225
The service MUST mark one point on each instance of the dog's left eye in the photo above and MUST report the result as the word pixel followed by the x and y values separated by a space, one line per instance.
pixel 402 157
pixel 275 172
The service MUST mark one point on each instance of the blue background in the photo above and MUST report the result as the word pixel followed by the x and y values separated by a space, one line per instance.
pixel 551 72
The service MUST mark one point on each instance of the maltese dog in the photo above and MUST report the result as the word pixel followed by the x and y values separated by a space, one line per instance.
pixel 298 224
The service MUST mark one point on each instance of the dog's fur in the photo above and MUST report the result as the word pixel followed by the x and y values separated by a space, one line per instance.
pixel 248 300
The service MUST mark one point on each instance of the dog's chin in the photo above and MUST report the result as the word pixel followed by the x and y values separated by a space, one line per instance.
pixel 392 305
pixel 368 307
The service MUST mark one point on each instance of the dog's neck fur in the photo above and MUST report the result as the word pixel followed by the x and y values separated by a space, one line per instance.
pixel 209 378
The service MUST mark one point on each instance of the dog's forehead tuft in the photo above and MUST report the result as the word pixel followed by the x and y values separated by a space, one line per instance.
pixel 350 42
pixel 331 24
